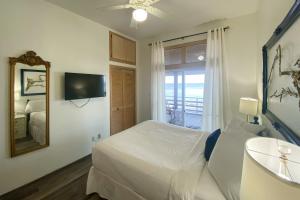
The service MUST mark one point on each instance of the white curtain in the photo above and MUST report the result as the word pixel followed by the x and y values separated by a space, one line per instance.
pixel 216 106
pixel 158 82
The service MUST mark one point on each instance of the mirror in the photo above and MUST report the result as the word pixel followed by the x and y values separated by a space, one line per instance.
pixel 29 103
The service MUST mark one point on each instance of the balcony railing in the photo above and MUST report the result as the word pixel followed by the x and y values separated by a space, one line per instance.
pixel 186 113
pixel 190 105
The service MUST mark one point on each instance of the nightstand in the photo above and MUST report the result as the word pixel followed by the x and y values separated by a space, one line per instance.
pixel 20 126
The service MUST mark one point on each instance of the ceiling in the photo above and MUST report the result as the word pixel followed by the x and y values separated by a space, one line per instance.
pixel 180 14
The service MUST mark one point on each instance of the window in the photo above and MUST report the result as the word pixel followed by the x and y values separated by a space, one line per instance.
pixel 184 84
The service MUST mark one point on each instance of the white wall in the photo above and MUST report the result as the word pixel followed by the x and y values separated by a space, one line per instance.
pixel 72 44
pixel 242 59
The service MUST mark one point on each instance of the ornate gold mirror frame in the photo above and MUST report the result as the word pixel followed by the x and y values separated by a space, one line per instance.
pixel 31 59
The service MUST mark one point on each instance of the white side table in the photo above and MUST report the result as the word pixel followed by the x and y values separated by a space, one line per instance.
pixel 20 126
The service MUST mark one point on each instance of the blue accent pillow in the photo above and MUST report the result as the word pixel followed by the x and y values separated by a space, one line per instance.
pixel 211 142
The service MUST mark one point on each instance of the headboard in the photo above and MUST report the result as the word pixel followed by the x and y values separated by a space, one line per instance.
pixel 281 77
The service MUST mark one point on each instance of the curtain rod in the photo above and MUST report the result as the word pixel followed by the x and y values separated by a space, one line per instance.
pixel 186 36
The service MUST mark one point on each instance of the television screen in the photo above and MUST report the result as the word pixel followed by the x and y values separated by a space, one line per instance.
pixel 82 86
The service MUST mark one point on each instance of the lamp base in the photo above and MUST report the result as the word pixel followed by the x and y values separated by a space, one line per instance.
pixel 248 118
pixel 255 120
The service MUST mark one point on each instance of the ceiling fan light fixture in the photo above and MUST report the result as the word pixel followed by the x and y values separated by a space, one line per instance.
pixel 139 15
pixel 201 57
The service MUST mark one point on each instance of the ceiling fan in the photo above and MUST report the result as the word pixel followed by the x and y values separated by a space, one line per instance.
pixel 141 10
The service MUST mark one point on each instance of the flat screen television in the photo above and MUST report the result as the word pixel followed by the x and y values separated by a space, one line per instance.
pixel 83 86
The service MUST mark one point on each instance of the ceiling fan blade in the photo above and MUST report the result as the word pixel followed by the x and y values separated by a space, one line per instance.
pixel 151 2
pixel 143 2
pixel 133 23
pixel 155 11
pixel 117 7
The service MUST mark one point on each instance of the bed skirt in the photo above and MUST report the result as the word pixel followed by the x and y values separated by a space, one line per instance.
pixel 108 188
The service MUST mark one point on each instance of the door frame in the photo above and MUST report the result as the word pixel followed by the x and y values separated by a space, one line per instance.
pixel 176 74
pixel 110 93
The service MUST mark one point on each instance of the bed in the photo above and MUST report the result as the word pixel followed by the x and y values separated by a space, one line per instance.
pixel 152 161
pixel 37 126
pixel 158 161
pixel 35 110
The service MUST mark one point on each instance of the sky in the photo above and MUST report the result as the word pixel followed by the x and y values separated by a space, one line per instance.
pixel 197 78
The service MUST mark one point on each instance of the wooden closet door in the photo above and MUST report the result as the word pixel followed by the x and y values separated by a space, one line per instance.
pixel 122 49
pixel 122 108
pixel 118 47
pixel 130 51
pixel 128 98
pixel 116 96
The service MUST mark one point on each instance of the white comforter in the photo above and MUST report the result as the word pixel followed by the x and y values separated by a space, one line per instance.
pixel 156 160
pixel 37 126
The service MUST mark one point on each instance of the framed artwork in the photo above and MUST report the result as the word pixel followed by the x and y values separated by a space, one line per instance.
pixel 281 76
pixel 33 82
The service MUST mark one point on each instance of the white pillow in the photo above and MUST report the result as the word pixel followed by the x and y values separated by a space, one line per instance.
pixel 237 125
pixel 226 161
pixel 35 106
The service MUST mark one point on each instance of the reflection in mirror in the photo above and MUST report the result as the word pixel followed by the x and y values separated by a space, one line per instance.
pixel 29 103
pixel 30 106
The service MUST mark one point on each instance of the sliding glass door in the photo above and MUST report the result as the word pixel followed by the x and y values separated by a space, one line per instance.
pixel 184 98
pixel 174 97
pixel 184 85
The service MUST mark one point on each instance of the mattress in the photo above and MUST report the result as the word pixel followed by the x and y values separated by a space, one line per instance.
pixel 153 160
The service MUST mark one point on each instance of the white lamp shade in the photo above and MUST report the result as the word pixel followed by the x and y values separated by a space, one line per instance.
pixel 265 175
pixel 248 106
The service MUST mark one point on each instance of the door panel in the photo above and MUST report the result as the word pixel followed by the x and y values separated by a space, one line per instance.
pixel 116 121
pixel 129 117
pixel 116 79
pixel 129 87
pixel 122 49
pixel 129 98
pixel 116 102
pixel 131 51
pixel 122 83
pixel 118 47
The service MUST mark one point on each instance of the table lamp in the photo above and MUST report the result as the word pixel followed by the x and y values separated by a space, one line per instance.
pixel 248 106
pixel 271 170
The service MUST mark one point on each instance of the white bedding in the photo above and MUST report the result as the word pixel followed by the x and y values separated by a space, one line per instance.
pixel 207 188
pixel 153 161
pixel 37 126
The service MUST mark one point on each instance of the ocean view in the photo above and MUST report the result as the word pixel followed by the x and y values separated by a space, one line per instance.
pixel 191 90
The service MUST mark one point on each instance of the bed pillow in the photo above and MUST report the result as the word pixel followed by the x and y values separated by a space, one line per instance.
pixel 226 162
pixel 35 106
pixel 237 125
pixel 210 143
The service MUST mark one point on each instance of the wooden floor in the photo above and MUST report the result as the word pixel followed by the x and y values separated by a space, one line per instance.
pixel 68 183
